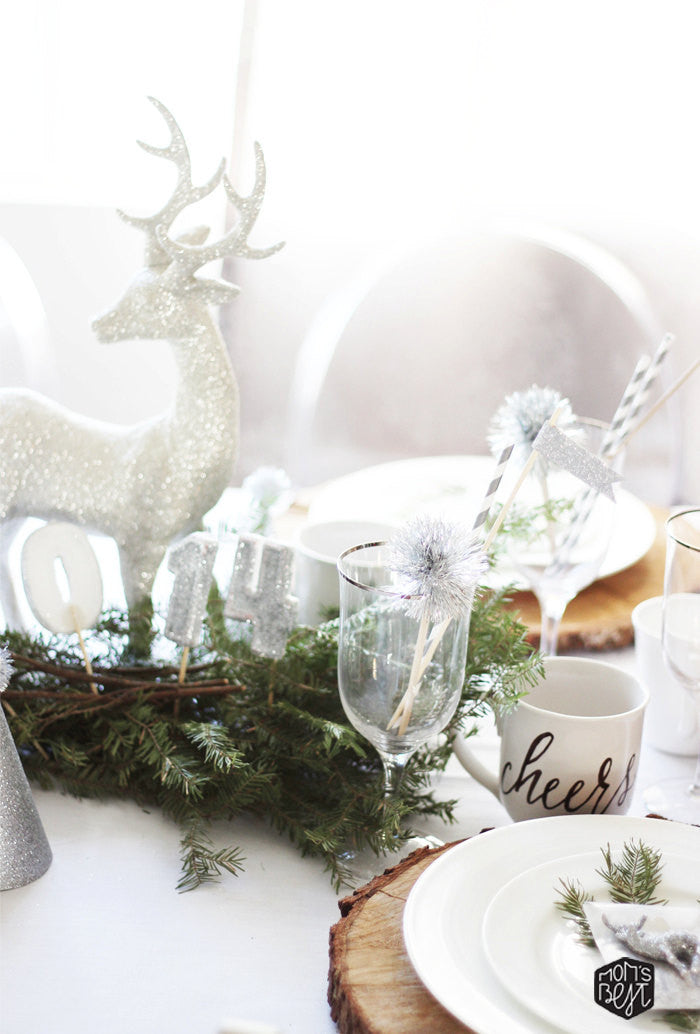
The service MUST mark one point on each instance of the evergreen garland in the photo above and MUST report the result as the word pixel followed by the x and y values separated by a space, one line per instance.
pixel 243 734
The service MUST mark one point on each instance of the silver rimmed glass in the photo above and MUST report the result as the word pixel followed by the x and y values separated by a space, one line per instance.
pixel 567 533
pixel 379 632
pixel 680 635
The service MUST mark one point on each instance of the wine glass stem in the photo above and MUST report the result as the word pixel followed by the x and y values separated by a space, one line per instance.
pixel 394 767
pixel 695 785
pixel 551 611
pixel 694 788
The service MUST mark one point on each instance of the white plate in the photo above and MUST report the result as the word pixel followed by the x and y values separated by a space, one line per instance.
pixel 455 486
pixel 445 910
pixel 535 953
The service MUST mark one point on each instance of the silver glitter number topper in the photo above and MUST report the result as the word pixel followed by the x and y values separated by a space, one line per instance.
pixel 259 593
pixel 192 563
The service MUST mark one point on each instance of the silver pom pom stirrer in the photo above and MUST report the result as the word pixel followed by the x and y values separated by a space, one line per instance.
pixel 519 419
pixel 25 854
pixel 438 566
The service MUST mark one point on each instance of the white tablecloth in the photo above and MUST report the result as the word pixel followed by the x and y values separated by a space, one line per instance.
pixel 103 943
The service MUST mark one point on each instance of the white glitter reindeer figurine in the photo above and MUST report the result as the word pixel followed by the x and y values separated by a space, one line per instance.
pixel 147 484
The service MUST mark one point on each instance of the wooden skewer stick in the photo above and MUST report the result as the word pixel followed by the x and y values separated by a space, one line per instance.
pixel 181 678
pixel 183 664
pixel 86 658
pixel 433 644
pixel 401 710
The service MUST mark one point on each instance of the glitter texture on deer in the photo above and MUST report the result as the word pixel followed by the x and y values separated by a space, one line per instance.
pixel 150 483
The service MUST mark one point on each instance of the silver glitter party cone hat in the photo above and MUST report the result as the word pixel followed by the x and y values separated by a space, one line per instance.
pixel 25 854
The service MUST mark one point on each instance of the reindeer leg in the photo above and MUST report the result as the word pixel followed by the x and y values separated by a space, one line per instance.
pixel 9 600
pixel 138 570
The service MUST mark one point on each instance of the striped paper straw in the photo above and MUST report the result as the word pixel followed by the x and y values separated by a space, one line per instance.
pixel 633 398
pixel 625 405
pixel 645 387
pixel 491 491
pixel 610 442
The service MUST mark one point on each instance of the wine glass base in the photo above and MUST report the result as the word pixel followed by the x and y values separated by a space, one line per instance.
pixel 674 799
pixel 362 866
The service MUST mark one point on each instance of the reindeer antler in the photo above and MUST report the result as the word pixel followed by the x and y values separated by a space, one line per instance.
pixel 191 257
pixel 184 194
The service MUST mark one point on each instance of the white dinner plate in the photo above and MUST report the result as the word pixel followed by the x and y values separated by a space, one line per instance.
pixel 535 952
pixel 454 486
pixel 445 911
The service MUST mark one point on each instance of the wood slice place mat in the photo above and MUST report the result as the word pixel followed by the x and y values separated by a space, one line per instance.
pixel 600 618
pixel 372 986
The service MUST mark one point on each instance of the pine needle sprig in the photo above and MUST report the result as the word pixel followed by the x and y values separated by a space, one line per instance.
pixel 572 899
pixel 681 1019
pixel 201 863
pixel 216 744
pixel 635 877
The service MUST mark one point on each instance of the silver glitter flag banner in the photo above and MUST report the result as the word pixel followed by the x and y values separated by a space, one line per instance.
pixel 259 592
pixel 555 446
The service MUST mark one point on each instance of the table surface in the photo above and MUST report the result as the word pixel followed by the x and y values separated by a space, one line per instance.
pixel 103 941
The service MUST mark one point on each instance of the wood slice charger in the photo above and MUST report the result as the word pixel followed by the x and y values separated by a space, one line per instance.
pixel 372 986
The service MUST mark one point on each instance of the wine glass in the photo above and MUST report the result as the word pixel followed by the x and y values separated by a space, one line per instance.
pixel 680 635
pixel 566 534
pixel 380 645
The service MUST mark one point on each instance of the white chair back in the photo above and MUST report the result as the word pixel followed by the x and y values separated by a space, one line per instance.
pixel 413 357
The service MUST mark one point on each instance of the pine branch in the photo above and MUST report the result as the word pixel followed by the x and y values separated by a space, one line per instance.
pixel 572 899
pixel 200 863
pixel 265 737
pixel 681 1019
pixel 635 877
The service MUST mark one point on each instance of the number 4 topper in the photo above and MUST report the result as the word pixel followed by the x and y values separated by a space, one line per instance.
pixel 259 592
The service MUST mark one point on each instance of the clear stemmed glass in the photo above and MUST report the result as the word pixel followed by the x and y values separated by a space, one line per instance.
pixel 567 534
pixel 680 633
pixel 376 651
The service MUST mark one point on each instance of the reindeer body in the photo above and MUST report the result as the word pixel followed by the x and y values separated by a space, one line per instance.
pixel 149 483
pixel 144 484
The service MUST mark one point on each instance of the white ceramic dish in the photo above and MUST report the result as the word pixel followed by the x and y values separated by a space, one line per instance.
pixel 454 486
pixel 445 911
pixel 535 953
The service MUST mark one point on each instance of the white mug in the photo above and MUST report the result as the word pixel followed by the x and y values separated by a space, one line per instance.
pixel 318 547
pixel 570 746
pixel 671 722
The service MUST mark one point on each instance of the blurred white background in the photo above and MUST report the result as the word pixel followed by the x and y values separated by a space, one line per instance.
pixel 383 122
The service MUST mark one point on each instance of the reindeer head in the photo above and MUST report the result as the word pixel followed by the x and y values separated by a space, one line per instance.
pixel 167 300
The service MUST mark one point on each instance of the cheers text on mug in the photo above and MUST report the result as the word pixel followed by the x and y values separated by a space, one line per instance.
pixel 570 746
